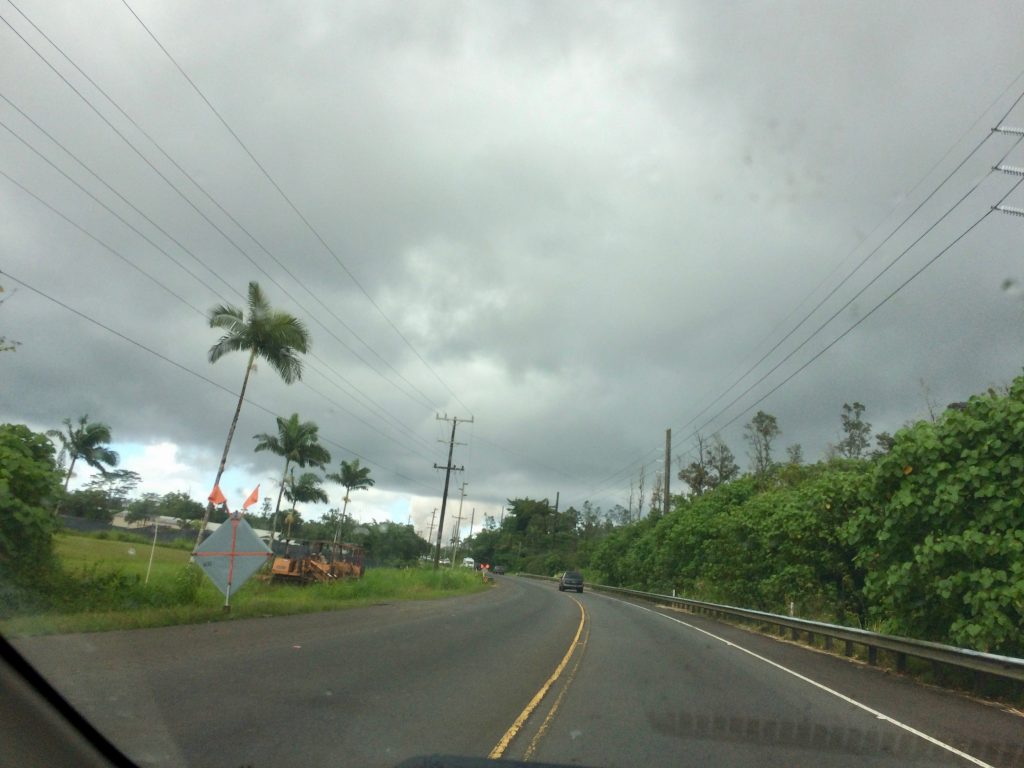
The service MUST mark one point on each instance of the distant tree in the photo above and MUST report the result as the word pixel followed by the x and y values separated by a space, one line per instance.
pixel 721 462
pixel 795 454
pixel 143 509
pixel 656 492
pixel 267 333
pixel 180 505
pixel 885 442
pixel 118 484
pixel 760 432
pixel 299 443
pixel 354 478
pixel 856 431
pixel 697 474
pixel 641 481
pixel 90 504
pixel 305 488
pixel 86 441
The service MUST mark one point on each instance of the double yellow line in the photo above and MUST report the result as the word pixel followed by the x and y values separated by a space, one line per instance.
pixel 510 734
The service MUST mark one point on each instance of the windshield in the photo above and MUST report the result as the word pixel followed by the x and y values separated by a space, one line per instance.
pixel 311 314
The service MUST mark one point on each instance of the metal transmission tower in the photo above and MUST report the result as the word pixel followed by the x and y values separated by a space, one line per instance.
pixel 448 467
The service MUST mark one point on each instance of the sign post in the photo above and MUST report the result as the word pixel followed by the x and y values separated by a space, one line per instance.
pixel 229 562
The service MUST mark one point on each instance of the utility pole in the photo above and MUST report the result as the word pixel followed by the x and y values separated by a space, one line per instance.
pixel 447 477
pixel 668 466
pixel 472 519
pixel 433 515
pixel 454 546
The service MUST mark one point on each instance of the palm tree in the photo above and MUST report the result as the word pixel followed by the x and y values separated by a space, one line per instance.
pixel 87 442
pixel 354 478
pixel 307 489
pixel 298 442
pixel 273 335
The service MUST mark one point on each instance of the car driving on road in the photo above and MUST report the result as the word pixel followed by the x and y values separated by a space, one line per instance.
pixel 571 580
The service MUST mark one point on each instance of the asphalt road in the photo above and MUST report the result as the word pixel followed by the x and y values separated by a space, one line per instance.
pixel 603 682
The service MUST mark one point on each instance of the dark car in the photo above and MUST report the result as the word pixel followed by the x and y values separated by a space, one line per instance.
pixel 499 570
pixel 571 580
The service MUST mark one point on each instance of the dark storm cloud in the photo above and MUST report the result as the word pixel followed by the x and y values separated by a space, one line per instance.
pixel 588 221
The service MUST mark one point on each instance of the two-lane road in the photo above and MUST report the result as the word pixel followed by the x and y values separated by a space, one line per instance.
pixel 604 682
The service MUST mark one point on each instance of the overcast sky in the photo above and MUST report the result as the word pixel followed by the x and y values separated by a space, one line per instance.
pixel 578 223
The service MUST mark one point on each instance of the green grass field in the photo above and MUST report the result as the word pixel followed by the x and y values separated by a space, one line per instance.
pixel 105 590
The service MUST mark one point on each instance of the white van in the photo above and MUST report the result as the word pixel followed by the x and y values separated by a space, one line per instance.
pixel 468 562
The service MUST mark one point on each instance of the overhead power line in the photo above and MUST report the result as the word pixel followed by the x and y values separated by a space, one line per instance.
pixel 163 286
pixel 871 311
pixel 635 463
pixel 192 372
pixel 423 400
pixel 293 206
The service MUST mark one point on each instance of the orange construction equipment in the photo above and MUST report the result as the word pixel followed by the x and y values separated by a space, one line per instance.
pixel 318 561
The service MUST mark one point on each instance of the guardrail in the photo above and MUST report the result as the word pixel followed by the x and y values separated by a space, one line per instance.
pixel 902 648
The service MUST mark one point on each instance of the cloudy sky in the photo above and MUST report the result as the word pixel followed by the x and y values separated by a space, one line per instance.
pixel 579 224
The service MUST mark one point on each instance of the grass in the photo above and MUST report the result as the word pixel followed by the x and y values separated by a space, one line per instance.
pixel 103 589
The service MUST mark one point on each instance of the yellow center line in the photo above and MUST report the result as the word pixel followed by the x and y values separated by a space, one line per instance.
pixel 503 743
pixel 558 702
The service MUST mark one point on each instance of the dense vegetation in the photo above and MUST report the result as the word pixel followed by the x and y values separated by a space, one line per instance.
pixel 925 538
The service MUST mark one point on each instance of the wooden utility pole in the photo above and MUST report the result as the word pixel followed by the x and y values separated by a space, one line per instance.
pixel 453 545
pixel 448 467
pixel 668 466
pixel 433 516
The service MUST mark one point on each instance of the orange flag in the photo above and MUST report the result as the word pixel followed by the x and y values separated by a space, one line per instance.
pixel 216 497
pixel 253 498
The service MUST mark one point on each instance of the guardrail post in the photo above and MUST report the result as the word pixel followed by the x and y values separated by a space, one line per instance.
pixel 848 650
pixel 828 642
pixel 901 662
pixel 872 655
pixel 794 633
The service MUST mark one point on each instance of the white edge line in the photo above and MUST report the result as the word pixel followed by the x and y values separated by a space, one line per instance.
pixel 837 694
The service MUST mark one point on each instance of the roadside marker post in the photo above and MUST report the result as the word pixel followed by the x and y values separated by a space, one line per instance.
pixel 229 563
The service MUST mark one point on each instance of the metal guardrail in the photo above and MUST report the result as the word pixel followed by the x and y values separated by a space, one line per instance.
pixel 903 648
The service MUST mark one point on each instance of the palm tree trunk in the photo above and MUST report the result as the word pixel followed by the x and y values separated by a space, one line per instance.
pixel 277 509
pixel 344 509
pixel 224 456
pixel 71 469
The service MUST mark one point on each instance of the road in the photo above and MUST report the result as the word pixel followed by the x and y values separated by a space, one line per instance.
pixel 521 671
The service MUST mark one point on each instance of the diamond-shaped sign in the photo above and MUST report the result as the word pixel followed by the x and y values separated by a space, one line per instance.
pixel 232 554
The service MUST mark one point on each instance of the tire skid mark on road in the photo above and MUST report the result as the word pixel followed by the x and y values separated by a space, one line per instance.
pixel 879 715
pixel 510 734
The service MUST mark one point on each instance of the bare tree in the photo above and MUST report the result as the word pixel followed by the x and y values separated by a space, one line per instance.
pixel 760 432
pixel 640 491
pixel 697 474
pixel 856 431
pixel 721 462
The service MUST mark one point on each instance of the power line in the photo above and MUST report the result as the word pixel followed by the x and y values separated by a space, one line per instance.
pixel 108 247
pixel 292 205
pixel 130 226
pixel 849 275
pixel 424 401
pixel 877 306
pixel 209 196
pixel 857 295
pixel 181 298
pixel 192 372
pixel 110 210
